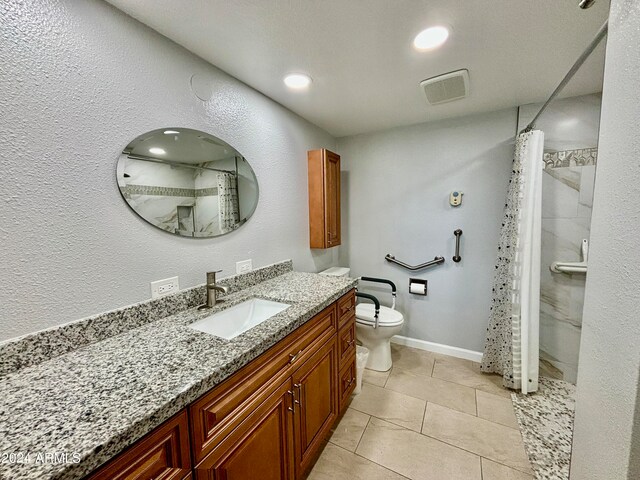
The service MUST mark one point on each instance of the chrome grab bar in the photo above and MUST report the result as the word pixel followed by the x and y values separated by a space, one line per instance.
pixel 435 261
pixel 458 233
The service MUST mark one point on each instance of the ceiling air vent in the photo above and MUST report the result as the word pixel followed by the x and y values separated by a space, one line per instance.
pixel 446 88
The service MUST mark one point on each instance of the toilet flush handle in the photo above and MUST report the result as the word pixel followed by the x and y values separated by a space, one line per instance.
pixel 376 304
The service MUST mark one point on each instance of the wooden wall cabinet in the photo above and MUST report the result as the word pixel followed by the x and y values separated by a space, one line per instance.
pixel 324 198
pixel 271 418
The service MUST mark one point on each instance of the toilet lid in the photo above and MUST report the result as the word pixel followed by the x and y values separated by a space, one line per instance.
pixel 389 318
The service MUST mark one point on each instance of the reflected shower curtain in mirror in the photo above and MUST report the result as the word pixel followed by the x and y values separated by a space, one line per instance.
pixel 228 201
pixel 512 342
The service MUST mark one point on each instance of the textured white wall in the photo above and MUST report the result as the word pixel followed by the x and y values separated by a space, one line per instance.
pixel 397 185
pixel 78 81
pixel 604 443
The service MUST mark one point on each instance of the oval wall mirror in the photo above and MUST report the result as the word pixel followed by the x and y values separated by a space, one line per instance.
pixel 187 182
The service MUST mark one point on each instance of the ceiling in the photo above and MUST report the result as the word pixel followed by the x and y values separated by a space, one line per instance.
pixel 359 52
pixel 184 146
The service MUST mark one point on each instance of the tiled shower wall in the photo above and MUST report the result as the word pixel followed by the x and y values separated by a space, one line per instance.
pixel 567 195
pixel 571 134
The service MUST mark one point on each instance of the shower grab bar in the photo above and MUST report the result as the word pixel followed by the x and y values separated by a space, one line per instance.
pixel 568 267
pixel 573 267
pixel 458 233
pixel 376 303
pixel 435 261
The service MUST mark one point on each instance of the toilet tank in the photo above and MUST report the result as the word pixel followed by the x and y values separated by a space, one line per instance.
pixel 336 272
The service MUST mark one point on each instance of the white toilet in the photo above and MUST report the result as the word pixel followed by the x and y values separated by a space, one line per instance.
pixel 377 338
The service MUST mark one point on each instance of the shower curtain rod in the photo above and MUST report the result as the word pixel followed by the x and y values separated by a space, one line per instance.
pixel 144 158
pixel 576 66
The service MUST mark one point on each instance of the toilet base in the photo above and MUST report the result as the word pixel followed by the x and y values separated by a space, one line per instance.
pixel 378 341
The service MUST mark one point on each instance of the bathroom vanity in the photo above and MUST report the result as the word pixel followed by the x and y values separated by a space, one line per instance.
pixel 272 416
pixel 165 401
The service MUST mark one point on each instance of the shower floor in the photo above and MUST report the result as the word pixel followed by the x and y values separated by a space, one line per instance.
pixel 546 424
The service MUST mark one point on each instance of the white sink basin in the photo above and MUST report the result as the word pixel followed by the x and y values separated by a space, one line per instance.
pixel 233 321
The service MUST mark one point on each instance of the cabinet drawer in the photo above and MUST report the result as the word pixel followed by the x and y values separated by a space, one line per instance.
pixel 346 308
pixel 161 455
pixel 347 342
pixel 216 413
pixel 347 382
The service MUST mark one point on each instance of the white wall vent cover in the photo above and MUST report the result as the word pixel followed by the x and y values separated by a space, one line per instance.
pixel 446 88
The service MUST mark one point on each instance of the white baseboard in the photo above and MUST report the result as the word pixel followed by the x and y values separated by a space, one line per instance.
pixel 438 348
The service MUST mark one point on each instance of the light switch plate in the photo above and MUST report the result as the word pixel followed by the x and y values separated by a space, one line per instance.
pixel 244 266
pixel 160 288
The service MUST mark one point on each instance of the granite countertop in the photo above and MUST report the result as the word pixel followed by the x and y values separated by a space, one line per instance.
pixel 90 404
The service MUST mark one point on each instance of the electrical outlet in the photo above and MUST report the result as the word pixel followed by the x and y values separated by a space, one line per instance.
pixel 244 266
pixel 160 288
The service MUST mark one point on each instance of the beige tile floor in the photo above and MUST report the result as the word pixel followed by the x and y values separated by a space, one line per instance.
pixel 430 417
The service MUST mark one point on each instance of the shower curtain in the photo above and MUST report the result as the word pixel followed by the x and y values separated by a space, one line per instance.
pixel 512 342
pixel 228 202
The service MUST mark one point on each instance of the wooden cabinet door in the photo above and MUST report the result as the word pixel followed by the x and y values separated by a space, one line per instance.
pixel 315 388
pixel 260 447
pixel 332 198
pixel 161 455
pixel 324 198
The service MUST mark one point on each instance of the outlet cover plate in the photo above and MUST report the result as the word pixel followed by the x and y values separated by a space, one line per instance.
pixel 244 266
pixel 160 288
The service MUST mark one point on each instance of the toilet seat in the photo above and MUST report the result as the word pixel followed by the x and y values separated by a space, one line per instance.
pixel 365 315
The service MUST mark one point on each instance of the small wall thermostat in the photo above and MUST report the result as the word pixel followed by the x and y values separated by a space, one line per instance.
pixel 455 199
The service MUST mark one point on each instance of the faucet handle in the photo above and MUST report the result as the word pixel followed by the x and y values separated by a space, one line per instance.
pixel 211 276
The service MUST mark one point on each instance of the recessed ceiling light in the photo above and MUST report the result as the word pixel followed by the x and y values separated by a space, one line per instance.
pixel 157 151
pixel 431 38
pixel 297 81
pixel 171 132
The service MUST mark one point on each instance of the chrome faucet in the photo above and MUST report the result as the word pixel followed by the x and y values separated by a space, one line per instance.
pixel 212 290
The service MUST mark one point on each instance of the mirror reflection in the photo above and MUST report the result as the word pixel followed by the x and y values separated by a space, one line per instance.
pixel 187 182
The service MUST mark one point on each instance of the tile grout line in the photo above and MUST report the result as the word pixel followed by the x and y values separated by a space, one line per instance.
pixel 364 430
pixel 532 476
pixel 369 460
pixel 386 420
pixel 476 454
pixel 475 396
pixel 386 380
pixel 424 415
pixel 476 388
pixel 432 438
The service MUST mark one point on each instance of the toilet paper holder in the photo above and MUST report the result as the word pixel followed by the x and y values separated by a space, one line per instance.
pixel 418 286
